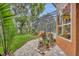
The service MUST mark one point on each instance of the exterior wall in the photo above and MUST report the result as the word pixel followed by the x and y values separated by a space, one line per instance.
pixel 77 29
pixel 65 45
pixel 71 47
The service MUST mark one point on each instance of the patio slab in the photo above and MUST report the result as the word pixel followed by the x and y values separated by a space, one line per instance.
pixel 29 49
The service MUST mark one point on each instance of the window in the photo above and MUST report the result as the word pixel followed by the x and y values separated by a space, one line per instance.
pixel 64 23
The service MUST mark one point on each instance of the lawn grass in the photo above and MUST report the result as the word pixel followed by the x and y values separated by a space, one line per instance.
pixel 1 50
pixel 19 40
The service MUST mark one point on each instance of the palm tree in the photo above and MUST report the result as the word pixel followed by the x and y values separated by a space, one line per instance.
pixel 21 11
pixel 22 20
pixel 36 10
pixel 7 27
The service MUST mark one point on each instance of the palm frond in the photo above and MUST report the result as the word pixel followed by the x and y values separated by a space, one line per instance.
pixel 7 26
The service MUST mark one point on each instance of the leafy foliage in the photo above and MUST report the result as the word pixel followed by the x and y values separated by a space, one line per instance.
pixel 7 26
pixel 36 9
pixel 8 29
pixel 21 20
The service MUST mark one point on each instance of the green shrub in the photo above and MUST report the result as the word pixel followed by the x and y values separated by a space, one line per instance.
pixel 46 42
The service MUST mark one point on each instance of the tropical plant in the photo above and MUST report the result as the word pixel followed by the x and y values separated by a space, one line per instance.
pixel 36 10
pixel 22 10
pixel 21 20
pixel 46 42
pixel 7 27
pixel 20 15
